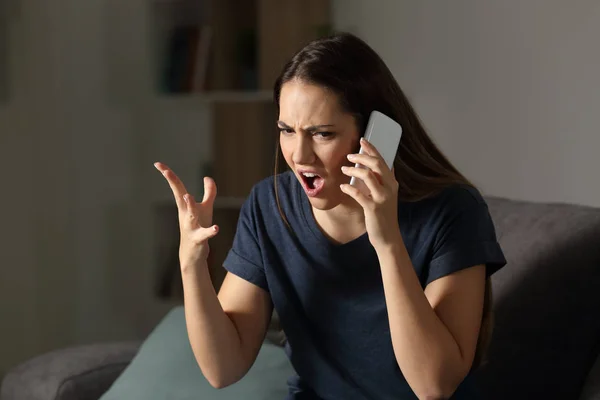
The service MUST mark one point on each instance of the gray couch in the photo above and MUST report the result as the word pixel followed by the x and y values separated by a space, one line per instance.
pixel 546 341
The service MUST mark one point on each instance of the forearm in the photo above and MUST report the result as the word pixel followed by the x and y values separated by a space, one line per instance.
pixel 428 356
pixel 213 336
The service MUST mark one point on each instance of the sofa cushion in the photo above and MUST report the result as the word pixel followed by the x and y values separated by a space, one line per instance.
pixel 165 368
pixel 75 373
pixel 546 301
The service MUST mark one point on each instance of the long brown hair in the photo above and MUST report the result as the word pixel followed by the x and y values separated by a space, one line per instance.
pixel 347 66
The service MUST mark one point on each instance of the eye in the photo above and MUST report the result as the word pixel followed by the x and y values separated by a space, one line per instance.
pixel 286 131
pixel 324 134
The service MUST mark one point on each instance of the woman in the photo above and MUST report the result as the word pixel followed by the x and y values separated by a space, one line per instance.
pixel 382 294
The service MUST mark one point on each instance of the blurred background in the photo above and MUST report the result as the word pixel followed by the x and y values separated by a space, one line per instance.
pixel 93 92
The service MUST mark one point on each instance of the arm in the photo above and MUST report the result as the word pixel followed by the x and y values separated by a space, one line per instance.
pixel 434 333
pixel 225 332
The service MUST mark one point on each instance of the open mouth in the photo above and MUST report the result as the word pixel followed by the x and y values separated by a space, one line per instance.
pixel 313 183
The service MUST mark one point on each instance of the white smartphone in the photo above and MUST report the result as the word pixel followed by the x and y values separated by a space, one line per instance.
pixel 384 133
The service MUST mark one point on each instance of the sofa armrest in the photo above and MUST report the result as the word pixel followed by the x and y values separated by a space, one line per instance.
pixel 591 387
pixel 81 373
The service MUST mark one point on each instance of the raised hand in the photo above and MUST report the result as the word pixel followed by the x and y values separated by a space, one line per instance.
pixel 195 219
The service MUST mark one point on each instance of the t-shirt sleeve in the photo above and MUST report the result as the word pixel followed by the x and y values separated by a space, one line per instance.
pixel 244 259
pixel 465 237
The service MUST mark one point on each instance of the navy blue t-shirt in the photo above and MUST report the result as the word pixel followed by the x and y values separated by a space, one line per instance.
pixel 330 297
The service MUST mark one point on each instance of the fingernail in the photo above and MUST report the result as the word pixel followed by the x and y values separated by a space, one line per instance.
pixel 350 156
pixel 363 140
pixel 344 168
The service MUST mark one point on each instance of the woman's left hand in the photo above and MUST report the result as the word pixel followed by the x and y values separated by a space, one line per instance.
pixel 381 204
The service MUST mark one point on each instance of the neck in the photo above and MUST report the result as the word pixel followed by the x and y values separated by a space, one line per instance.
pixel 342 223
pixel 346 214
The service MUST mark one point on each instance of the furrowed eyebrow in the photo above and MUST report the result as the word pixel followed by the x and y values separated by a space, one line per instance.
pixel 311 128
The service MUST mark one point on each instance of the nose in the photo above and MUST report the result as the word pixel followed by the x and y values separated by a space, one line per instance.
pixel 303 151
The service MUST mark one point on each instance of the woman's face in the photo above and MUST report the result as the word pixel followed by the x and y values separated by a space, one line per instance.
pixel 315 138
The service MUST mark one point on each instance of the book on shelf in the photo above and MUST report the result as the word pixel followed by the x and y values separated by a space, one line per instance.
pixel 200 58
pixel 187 58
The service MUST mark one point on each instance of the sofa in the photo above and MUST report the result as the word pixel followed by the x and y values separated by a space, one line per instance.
pixel 546 340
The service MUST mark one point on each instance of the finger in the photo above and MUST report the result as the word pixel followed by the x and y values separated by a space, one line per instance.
pixel 210 190
pixel 203 234
pixel 371 162
pixel 372 159
pixel 371 179
pixel 175 183
pixel 191 212
pixel 356 194
pixel 372 151
pixel 369 149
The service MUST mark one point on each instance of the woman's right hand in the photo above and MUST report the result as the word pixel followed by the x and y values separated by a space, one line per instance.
pixel 195 219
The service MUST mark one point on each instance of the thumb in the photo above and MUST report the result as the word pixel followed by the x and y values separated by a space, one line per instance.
pixel 210 190
pixel 203 234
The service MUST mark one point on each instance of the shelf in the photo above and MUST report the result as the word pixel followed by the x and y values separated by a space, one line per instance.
pixel 213 66
pixel 230 96
pixel 238 96
pixel 221 96
pixel 252 129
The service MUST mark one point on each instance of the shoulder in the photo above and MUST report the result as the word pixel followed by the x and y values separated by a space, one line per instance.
pixel 453 199
pixel 268 189
pixel 462 212
pixel 456 207
pixel 462 232
pixel 272 204
pixel 459 197
pixel 269 194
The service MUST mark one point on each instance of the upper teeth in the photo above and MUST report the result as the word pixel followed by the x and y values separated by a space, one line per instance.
pixel 309 174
